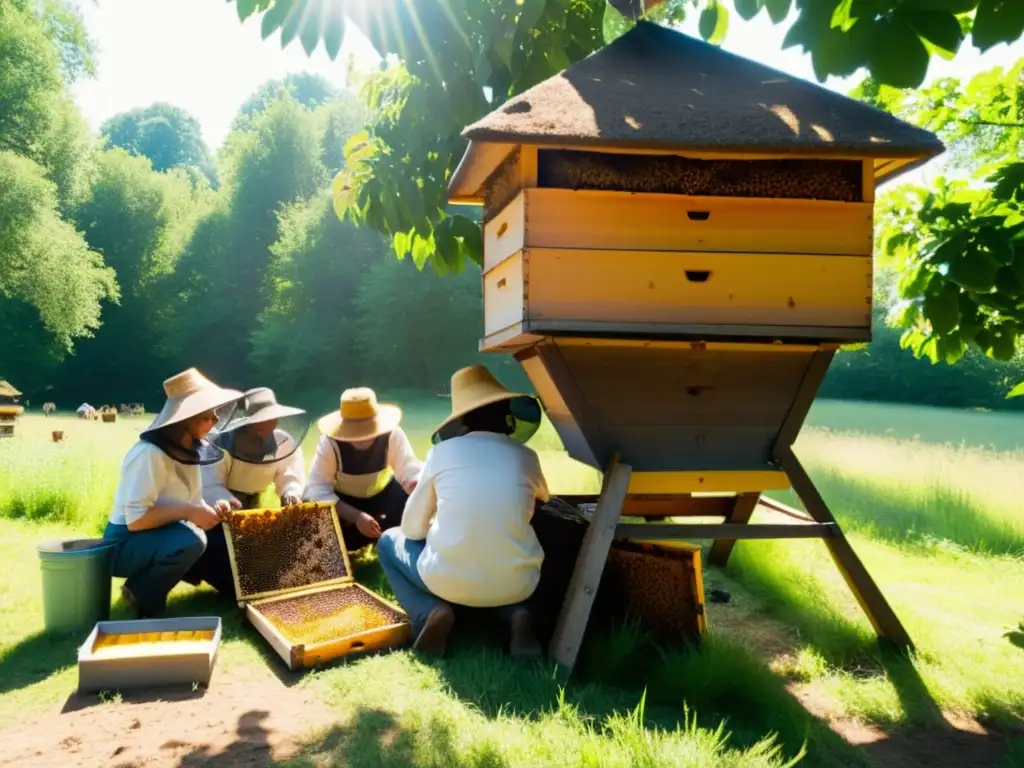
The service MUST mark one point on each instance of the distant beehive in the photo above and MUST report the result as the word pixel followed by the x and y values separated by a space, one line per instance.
pixel 10 410
pixel 664 191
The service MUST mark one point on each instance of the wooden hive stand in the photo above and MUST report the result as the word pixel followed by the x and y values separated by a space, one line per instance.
pixel 676 242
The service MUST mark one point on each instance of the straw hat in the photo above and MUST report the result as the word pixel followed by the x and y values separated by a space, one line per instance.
pixel 360 417
pixel 258 405
pixel 473 388
pixel 189 393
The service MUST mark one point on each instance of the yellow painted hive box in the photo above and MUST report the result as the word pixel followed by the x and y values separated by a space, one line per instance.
pixel 294 579
pixel 148 652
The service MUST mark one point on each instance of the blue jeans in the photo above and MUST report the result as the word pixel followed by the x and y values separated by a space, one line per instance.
pixel 398 557
pixel 153 561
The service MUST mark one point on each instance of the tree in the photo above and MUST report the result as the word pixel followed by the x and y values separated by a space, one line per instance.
pixel 306 88
pixel 959 245
pixel 44 262
pixel 169 136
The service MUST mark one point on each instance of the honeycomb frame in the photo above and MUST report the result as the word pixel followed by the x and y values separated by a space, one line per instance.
pixel 280 550
pixel 323 622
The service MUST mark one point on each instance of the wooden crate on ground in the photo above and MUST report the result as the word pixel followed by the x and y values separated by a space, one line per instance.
pixel 148 652
pixel 293 578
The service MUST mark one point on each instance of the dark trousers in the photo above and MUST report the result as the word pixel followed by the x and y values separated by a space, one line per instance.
pixel 386 508
pixel 214 565
pixel 247 500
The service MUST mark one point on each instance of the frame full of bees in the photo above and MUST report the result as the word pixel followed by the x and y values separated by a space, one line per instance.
pixel 127 654
pixel 293 577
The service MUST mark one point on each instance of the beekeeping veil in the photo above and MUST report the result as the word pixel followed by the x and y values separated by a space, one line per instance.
pixel 260 406
pixel 189 394
pixel 475 387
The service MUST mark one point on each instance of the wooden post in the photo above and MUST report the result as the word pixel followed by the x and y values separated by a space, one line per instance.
pixel 864 588
pixel 586 576
pixel 742 510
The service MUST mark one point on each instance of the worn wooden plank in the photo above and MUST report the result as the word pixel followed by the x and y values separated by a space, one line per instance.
pixel 702 332
pixel 719 531
pixel 595 449
pixel 664 505
pixel 503 295
pixel 586 576
pixel 560 218
pixel 729 481
pixel 881 615
pixel 682 287
pixel 801 406
pixel 679 448
pixel 741 513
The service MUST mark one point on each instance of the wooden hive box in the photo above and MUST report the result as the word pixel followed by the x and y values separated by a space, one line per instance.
pixel 293 578
pixel 147 652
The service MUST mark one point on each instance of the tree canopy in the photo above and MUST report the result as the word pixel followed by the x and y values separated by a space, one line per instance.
pixel 168 135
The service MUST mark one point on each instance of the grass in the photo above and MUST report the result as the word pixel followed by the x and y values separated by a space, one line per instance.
pixel 930 498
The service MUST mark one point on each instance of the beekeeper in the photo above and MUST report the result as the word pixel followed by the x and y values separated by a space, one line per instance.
pixel 160 521
pixel 262 444
pixel 364 465
pixel 466 537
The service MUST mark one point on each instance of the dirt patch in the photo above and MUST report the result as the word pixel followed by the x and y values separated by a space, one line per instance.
pixel 239 721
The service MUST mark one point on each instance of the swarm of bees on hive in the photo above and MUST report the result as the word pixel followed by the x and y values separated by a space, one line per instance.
pixel 285 548
pixel 655 586
pixel 151 643
pixel 670 174
pixel 320 616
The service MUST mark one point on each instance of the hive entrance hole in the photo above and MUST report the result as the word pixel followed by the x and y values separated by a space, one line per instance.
pixel 698 275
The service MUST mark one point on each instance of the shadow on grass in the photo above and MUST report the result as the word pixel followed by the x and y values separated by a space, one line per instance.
pixel 926 518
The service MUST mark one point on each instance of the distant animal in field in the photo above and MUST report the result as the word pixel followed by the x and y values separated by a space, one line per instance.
pixel 58 436
pixel 48 408
pixel 86 411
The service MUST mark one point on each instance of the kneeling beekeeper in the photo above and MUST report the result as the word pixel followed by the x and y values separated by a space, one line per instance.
pixel 262 444
pixel 162 525
pixel 364 465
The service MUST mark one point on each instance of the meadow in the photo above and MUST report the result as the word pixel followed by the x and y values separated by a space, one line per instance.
pixel 790 669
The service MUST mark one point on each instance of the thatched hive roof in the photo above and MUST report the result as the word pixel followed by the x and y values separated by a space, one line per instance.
pixel 658 89
pixel 6 390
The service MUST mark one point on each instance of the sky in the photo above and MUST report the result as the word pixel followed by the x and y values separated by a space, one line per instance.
pixel 195 54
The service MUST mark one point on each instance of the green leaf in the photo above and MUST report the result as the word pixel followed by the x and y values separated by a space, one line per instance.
pixel 613 25
pixel 748 9
pixel 291 26
pixel 1017 391
pixel 974 270
pixel 950 349
pixel 904 314
pixel 954 212
pixel 997 242
pixel 1009 182
pixel 504 46
pixel 915 280
pixel 714 22
pixel 997 21
pixel 401 242
pixel 942 309
pixel 421 249
pixel 778 10
pixel 896 56
pixel 533 11
pixel 334 33
pixel 940 29
pixel 1004 342
pixel 245 8
pixel 1008 283
pixel 275 17
pixel 310 36
pixel 841 18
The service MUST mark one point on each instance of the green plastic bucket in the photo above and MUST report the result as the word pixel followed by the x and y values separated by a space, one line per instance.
pixel 76 582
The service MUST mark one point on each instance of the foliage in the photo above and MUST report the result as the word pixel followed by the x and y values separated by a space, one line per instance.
pixel 306 88
pixel 169 136
pixel 959 244
pixel 495 50
pixel 44 261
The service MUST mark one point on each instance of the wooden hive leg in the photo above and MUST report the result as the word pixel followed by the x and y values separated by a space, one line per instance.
pixel 742 510
pixel 586 575
pixel 881 615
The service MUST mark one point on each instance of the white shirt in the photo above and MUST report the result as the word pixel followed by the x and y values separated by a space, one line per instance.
pixel 230 474
pixel 327 478
pixel 473 505
pixel 150 477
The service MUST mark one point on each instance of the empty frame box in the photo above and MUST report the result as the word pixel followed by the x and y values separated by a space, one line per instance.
pixel 293 578
pixel 148 652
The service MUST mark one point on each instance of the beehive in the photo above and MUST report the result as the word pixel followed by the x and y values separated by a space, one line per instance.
pixel 676 241
pixel 148 652
pixel 293 578
pixel 10 411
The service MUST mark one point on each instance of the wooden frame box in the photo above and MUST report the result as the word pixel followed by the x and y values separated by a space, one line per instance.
pixel 168 661
pixel 748 294
pixel 264 609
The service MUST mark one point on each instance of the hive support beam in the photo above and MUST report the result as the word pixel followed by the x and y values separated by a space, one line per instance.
pixel 586 575
pixel 881 615
pixel 742 510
